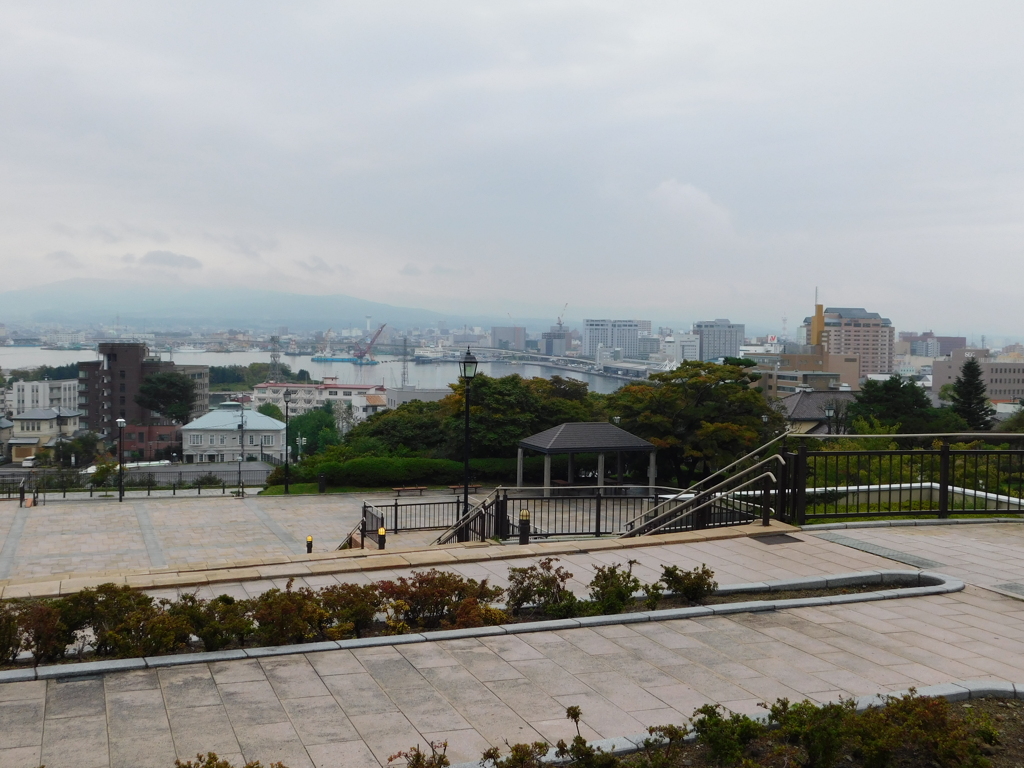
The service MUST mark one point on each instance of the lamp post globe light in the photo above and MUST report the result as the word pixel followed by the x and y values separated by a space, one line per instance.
pixel 121 424
pixel 287 447
pixel 829 413
pixel 467 370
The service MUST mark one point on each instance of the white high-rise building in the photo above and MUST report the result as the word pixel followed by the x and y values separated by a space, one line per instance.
pixel 719 338
pixel 613 334
pixel 29 395
pixel 682 346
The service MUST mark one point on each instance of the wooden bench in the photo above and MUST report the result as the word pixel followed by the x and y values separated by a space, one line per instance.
pixel 420 488
pixel 457 489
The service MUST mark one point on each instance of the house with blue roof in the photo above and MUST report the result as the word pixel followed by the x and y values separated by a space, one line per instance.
pixel 232 432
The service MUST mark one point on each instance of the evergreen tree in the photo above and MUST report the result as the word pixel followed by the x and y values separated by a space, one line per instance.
pixel 969 400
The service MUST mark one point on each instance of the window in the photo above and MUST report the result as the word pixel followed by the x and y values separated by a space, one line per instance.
pixel 195 439
pixel 333 393
pixel 223 440
pixel 122 387
pixel 211 439
pixel 121 399
pixel 163 438
pixel 252 439
pixel 142 437
pixel 267 440
pixel 122 374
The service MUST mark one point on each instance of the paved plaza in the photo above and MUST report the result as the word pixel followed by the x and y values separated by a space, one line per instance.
pixel 101 536
pixel 354 708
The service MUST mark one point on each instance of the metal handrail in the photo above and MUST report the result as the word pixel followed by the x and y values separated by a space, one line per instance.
pixel 445 536
pixel 698 494
pixel 644 529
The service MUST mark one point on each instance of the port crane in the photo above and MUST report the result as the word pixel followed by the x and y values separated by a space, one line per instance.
pixel 361 351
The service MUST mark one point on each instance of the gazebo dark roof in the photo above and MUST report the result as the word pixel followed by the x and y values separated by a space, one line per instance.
pixel 585 437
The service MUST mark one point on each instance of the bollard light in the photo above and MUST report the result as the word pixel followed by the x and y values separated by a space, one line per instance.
pixel 381 535
pixel 309 545
pixel 524 526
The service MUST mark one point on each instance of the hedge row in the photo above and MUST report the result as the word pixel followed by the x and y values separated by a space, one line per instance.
pixel 377 472
pixel 112 620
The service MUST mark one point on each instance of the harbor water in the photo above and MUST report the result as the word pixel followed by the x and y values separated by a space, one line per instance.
pixel 388 372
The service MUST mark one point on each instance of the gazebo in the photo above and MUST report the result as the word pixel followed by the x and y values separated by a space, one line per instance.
pixel 598 437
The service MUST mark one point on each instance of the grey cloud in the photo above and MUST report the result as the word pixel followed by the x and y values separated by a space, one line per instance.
pixel 170 260
pixel 64 259
pixel 410 270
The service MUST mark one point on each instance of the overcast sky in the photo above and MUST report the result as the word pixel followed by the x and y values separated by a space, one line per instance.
pixel 669 160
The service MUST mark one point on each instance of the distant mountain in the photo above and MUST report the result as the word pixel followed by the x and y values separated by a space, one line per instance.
pixel 74 302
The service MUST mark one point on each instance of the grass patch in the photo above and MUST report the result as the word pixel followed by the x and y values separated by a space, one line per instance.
pixel 298 488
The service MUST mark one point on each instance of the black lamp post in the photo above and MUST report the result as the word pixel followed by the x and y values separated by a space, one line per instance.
pixel 829 413
pixel 241 447
pixel 287 448
pixel 121 423
pixel 467 369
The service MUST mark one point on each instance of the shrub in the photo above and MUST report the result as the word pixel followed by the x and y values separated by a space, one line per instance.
pixel 819 731
pixel 695 586
pixel 45 633
pixel 432 597
pixel 541 585
pixel 725 737
pixel 210 760
pixel 911 725
pixel 417 758
pixel 349 608
pixel 10 634
pixel 105 609
pixel 612 588
pixel 218 622
pixel 288 616
pixel 209 480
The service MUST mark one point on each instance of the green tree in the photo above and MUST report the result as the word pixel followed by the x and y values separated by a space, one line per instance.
pixel 969 400
pixel 317 427
pixel 169 394
pixel 903 404
pixel 701 416
pixel 413 427
pixel 1013 424
pixel 271 410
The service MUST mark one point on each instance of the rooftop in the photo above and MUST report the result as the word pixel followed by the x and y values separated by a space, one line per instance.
pixel 229 415
pixel 585 437
pixel 44 414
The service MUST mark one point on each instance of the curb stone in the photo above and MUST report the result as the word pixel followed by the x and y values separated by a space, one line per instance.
pixel 932 583
pixel 905 523
pixel 958 691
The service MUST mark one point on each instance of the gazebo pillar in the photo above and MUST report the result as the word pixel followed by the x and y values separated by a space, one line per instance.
pixel 547 474
pixel 600 470
pixel 652 471
pixel 571 474
pixel 618 463
pixel 519 469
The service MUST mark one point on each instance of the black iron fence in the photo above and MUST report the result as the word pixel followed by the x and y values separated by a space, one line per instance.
pixel 62 482
pixel 824 485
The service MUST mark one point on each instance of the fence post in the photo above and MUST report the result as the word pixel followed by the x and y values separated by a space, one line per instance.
pixel 322 483
pixel 362 530
pixel 504 526
pixel 174 488
pixel 597 513
pixel 766 509
pixel 394 528
pixel 149 487
pixel 944 480
pixel 800 478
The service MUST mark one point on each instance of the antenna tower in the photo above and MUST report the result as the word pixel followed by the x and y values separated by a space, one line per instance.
pixel 405 362
pixel 274 373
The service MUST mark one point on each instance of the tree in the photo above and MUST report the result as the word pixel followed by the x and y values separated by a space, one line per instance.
pixel 903 404
pixel 317 426
pixel 271 410
pixel 170 394
pixel 701 416
pixel 969 400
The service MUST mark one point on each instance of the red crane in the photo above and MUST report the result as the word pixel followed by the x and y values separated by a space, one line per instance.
pixel 360 351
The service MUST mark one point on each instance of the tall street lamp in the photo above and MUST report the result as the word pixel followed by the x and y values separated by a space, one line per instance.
pixel 467 369
pixel 829 413
pixel 121 423
pixel 287 448
pixel 241 447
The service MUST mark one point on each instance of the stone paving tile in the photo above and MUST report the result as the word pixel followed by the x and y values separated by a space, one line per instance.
pixel 356 708
pixel 202 729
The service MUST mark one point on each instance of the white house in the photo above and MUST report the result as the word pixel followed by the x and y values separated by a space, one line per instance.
pixel 40 428
pixel 229 432
pixel 352 402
